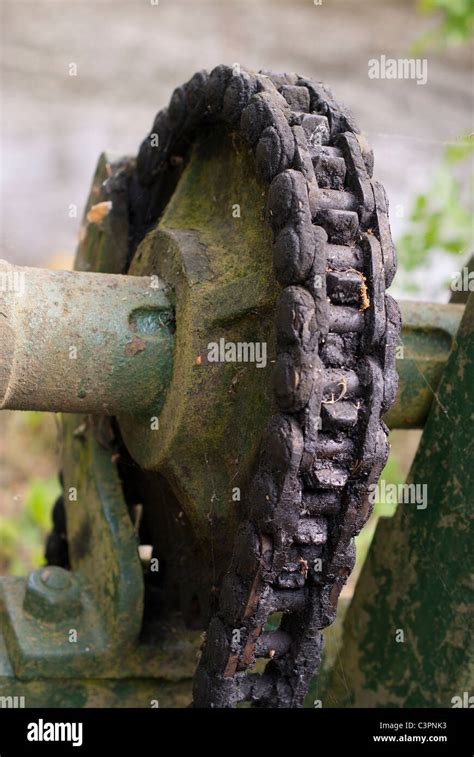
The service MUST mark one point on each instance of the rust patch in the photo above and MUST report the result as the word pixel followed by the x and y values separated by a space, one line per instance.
pixel 364 297
pixel 303 566
pixel 134 347
pixel 365 301
pixel 247 654
pixel 231 666
pixel 98 212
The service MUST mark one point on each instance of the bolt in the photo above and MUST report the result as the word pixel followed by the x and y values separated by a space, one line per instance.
pixel 52 594
pixel 55 579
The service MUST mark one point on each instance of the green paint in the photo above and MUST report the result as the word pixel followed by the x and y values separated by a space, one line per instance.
pixel 418 574
pixel 427 337
pixel 145 692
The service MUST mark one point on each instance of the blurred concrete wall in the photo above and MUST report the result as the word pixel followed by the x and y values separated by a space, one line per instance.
pixel 130 56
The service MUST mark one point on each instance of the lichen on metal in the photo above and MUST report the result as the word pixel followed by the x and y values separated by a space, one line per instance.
pixel 408 638
pixel 221 277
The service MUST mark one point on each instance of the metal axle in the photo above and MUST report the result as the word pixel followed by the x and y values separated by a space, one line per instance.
pixel 83 342
pixel 103 344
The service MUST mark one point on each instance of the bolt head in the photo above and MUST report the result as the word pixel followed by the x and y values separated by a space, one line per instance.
pixel 55 578
pixel 52 594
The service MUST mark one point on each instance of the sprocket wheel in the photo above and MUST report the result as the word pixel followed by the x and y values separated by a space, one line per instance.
pixel 334 378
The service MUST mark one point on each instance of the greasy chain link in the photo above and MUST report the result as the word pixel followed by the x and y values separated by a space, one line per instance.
pixel 334 375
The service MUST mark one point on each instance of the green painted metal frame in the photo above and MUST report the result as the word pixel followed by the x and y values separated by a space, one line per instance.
pixel 91 655
pixel 408 634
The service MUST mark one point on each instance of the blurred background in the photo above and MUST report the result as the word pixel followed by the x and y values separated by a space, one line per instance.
pixel 128 57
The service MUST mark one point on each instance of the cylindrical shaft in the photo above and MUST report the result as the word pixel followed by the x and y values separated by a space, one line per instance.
pixel 428 334
pixel 83 342
pixel 103 343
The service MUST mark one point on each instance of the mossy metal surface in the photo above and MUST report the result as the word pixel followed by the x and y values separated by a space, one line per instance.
pixel 148 677
pixel 213 247
pixel 102 619
pixel 408 638
pixel 103 237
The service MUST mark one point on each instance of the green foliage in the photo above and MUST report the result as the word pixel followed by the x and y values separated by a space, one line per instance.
pixel 440 220
pixel 22 536
pixel 455 27
pixel 33 420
